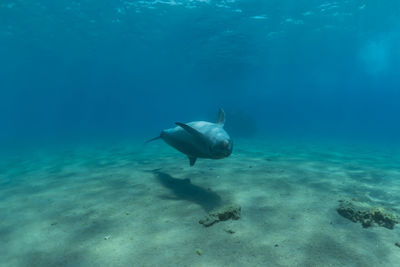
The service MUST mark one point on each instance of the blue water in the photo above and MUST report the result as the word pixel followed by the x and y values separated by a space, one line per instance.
pixel 314 69
pixel 311 91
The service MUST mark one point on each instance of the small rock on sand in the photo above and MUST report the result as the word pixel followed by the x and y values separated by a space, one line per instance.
pixel 229 231
pixel 222 214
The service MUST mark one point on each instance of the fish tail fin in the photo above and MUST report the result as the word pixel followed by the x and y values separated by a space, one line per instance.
pixel 152 139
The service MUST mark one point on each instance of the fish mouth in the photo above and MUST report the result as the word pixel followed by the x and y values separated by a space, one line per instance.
pixel 221 155
pixel 225 154
pixel 222 152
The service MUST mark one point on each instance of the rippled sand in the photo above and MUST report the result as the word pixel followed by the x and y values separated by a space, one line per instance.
pixel 127 204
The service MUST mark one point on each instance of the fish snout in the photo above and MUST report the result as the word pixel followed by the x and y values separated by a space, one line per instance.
pixel 229 152
pixel 228 145
pixel 222 149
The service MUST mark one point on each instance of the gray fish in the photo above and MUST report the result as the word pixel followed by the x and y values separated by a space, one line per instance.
pixel 199 139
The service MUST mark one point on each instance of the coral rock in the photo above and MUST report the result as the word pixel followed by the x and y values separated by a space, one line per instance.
pixel 366 214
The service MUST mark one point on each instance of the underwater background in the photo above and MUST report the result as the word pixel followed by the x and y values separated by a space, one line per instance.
pixel 111 68
pixel 311 91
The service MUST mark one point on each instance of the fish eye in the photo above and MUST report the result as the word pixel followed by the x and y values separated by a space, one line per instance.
pixel 225 143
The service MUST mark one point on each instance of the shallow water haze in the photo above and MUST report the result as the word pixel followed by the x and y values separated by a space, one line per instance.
pixel 294 68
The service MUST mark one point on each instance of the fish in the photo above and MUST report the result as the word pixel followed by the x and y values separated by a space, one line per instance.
pixel 199 139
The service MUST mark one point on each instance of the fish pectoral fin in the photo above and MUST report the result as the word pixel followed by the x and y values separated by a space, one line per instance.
pixel 192 160
pixel 221 116
pixel 196 134
pixel 190 129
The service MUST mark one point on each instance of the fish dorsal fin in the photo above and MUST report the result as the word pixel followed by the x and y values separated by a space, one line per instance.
pixel 192 161
pixel 196 134
pixel 221 117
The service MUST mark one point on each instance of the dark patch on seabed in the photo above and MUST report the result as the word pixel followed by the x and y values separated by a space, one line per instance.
pixel 183 189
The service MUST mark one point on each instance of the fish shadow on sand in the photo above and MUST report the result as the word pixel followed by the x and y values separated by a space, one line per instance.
pixel 183 189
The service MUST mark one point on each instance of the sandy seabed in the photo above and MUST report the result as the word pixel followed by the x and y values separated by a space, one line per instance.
pixel 128 204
